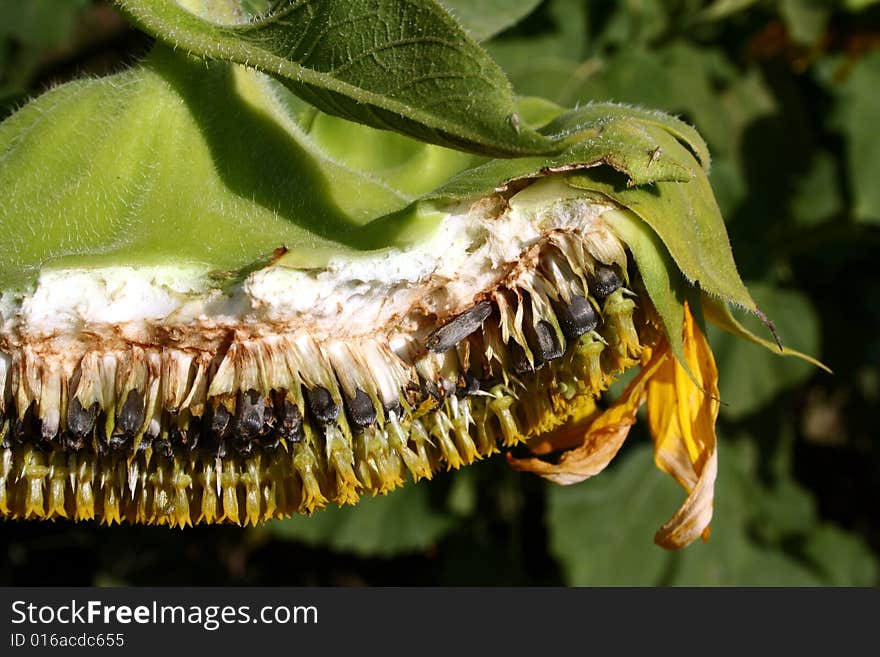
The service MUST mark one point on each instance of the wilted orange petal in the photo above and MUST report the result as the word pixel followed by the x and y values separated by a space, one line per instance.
pixel 693 517
pixel 681 416
pixel 603 437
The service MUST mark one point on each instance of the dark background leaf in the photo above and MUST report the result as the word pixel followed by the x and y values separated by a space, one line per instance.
pixel 761 535
pixel 858 108
pixel 486 18
pixel 403 521
pixel 752 379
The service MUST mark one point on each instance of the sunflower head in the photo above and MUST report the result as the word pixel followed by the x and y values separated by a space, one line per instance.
pixel 233 307
pixel 681 273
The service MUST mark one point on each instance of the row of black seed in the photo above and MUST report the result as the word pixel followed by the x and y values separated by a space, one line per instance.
pixel 258 421
pixel 575 318
pixel 261 421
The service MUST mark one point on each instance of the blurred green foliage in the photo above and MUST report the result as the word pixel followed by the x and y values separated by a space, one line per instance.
pixel 787 94
pixel 28 30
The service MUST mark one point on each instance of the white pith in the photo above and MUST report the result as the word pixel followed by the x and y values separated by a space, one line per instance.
pixel 386 292
pixel 359 323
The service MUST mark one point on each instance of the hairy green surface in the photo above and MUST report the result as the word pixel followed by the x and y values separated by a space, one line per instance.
pixel 622 137
pixel 172 162
pixel 395 64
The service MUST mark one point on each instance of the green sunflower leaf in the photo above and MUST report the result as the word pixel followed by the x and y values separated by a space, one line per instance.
pixel 583 121
pixel 620 137
pixel 382 526
pixel 400 65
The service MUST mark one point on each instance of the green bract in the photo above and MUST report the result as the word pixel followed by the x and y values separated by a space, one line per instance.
pixel 173 162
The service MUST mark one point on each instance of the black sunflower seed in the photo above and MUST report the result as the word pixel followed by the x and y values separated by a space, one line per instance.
pixel 80 421
pixel 394 407
pixel 361 411
pixel 118 441
pixel 322 405
pixel 468 386
pixel 221 421
pixel 577 317
pixel 456 330
pixel 69 442
pixel 290 422
pixel 520 361
pixel 163 447
pixel 546 342
pixel 253 416
pixel 430 389
pixel 607 280
pixel 129 420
